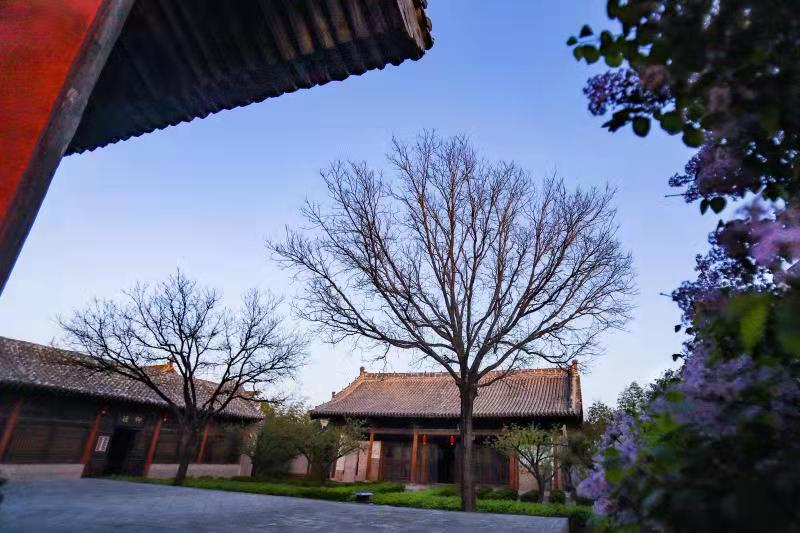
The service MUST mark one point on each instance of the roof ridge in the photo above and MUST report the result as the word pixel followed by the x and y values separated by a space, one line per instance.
pixel 424 374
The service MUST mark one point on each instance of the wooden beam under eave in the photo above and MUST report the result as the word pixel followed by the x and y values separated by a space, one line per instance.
pixel 51 55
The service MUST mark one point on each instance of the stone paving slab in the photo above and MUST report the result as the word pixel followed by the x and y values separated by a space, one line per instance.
pixel 96 505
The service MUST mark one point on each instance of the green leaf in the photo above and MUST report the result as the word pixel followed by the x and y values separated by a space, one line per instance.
pixel 671 122
pixel 615 475
pixel 572 41
pixel 578 52
pixel 659 53
pixel 703 206
pixel 612 9
pixel 641 126
pixel 751 327
pixel 674 396
pixel 717 204
pixel 770 120
pixel 695 111
pixel 606 40
pixel 693 137
pixel 677 328
pixel 586 31
pixel 590 53
pixel 613 60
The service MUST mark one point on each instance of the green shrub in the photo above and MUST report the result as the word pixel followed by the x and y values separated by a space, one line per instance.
pixel 558 496
pixel 483 491
pixel 584 501
pixel 431 499
pixel 447 490
pixel 530 496
pixel 506 493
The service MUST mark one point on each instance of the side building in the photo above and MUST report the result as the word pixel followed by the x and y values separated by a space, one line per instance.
pixel 62 420
pixel 413 424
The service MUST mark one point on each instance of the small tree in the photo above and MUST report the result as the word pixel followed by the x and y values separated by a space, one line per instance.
pixel 176 324
pixel 322 444
pixel 535 449
pixel 632 399
pixel 468 264
pixel 582 444
pixel 276 444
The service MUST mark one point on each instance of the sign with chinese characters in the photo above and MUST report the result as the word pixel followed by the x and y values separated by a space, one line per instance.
pixel 102 443
pixel 131 419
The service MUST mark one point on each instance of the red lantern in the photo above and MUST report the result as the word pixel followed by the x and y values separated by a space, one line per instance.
pixel 452 440
pixel 424 440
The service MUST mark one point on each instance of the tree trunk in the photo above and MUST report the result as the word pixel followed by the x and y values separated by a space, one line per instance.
pixel 185 449
pixel 537 475
pixel 468 395
pixel 316 471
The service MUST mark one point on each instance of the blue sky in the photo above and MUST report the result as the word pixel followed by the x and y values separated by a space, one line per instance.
pixel 205 195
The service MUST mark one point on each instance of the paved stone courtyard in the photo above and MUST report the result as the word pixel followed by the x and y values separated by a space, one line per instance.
pixel 94 505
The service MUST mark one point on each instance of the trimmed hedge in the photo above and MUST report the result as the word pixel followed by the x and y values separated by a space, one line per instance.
pixel 502 494
pixel 429 499
pixel 530 496
pixel 340 493
pixel 557 496
pixel 447 490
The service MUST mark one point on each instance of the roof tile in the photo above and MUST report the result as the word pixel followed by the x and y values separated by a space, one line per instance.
pixel 550 392
pixel 25 364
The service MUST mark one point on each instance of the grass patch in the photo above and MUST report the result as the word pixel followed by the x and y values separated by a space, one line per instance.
pixel 433 499
pixel 330 492
pixel 383 494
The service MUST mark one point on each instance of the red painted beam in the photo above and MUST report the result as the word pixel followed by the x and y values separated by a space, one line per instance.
pixel 152 450
pixel 51 54
pixel 9 429
pixel 369 456
pixel 202 444
pixel 414 451
pixel 87 448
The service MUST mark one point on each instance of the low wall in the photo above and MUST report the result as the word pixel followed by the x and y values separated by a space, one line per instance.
pixel 20 472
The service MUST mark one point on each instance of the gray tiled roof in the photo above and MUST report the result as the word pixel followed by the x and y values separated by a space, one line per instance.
pixel 177 61
pixel 28 365
pixel 552 392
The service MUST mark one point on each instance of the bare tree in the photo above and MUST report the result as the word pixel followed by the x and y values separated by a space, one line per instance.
pixel 183 326
pixel 467 263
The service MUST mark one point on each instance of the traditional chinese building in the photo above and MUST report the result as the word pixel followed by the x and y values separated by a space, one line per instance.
pixel 413 421
pixel 61 420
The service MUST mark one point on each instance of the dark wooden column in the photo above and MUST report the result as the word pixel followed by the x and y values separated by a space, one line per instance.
pixel 369 455
pixel 414 450
pixel 513 472
pixel 152 450
pixel 49 65
pixel 9 429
